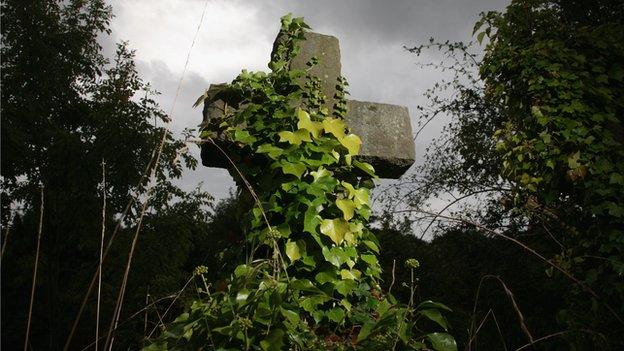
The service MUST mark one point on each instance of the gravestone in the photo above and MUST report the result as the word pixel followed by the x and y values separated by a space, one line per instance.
pixel 385 129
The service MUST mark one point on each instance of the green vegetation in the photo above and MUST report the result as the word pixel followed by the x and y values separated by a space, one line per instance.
pixel 528 254
pixel 535 142
pixel 561 94
pixel 64 111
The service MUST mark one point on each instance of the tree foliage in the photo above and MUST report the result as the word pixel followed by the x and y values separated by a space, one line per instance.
pixel 65 109
pixel 562 142
pixel 536 124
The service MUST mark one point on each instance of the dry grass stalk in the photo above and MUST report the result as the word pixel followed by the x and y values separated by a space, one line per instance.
pixel 120 297
pixel 6 236
pixel 99 293
pixel 34 282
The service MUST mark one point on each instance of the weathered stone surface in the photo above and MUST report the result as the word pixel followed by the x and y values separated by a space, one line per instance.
pixel 214 108
pixel 385 129
pixel 328 69
pixel 386 134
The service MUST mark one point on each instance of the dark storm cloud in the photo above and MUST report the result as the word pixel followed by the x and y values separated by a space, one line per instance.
pixel 400 21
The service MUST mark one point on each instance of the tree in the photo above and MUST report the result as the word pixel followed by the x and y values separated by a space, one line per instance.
pixel 65 109
pixel 563 138
pixel 542 126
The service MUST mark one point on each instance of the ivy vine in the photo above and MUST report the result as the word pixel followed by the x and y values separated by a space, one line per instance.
pixel 310 280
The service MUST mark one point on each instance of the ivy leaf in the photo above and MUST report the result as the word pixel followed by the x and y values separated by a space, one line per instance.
pixel 334 126
pixel 295 249
pixel 311 219
pixel 273 151
pixel 290 137
pixel 336 314
pixel 244 137
pixel 366 167
pixel 305 122
pixel 295 169
pixel 347 207
pixel 284 229
pixel 303 285
pixel 348 159
pixel 371 245
pixel 303 135
pixel 309 304
pixel 360 196
pixel 352 274
pixel 325 277
pixel 320 173
pixel 241 296
pixel 352 142
pixel 573 160
pixel 370 259
pixel 350 189
pixel 345 287
pixel 331 256
pixel 292 316
pixel 294 138
pixel 442 342
pixel 336 255
pixel 435 316
pixel 335 229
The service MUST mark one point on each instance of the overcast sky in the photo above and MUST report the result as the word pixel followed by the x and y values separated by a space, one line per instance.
pixel 237 34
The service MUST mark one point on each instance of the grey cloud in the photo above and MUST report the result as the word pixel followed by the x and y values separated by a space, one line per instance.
pixel 371 34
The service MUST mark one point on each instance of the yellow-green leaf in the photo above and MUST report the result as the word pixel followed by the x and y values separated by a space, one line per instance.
pixel 335 229
pixel 356 228
pixel 347 159
pixel 334 126
pixel 347 207
pixel 305 122
pixel 349 187
pixel 273 151
pixel 360 197
pixel 366 167
pixel 352 274
pixel 320 173
pixel 290 137
pixel 352 142
pixel 350 238
pixel 295 169
pixel 293 250
pixel 336 155
pixel 294 138
pixel 303 135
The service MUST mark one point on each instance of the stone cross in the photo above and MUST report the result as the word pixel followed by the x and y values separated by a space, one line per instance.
pixel 385 130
